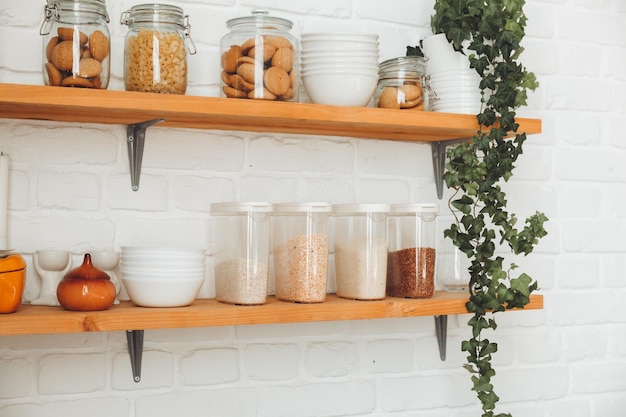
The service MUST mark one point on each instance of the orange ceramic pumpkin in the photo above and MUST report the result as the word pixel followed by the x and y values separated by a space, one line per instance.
pixel 12 279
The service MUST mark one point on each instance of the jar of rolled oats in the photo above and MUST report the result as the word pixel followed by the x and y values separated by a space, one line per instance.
pixel 76 43
pixel 155 49
pixel 260 58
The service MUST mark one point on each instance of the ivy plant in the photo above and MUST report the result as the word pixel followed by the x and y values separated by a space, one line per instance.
pixel 478 168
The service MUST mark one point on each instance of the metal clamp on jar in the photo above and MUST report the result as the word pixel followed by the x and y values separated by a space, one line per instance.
pixel 155 50
pixel 76 44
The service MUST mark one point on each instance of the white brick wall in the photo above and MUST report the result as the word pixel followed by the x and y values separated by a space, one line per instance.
pixel 70 189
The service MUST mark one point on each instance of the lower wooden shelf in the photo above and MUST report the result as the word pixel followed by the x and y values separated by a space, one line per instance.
pixel 209 312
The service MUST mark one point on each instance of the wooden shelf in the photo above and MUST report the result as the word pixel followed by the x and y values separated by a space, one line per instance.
pixel 63 104
pixel 209 312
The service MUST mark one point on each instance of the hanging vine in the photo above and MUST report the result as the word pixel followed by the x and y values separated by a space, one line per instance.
pixel 477 169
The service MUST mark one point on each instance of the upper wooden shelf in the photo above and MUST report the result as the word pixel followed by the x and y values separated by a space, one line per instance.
pixel 209 312
pixel 122 107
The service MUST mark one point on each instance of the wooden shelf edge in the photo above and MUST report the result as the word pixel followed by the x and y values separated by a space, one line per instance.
pixel 63 104
pixel 209 312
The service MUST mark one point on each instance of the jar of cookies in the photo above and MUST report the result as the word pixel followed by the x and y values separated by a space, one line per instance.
pixel 260 58
pixel 155 49
pixel 76 44
pixel 401 84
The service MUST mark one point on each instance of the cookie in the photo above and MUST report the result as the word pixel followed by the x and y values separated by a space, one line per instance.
pixel 72 81
pixel 246 71
pixel 226 78
pixel 238 82
pixel 277 81
pixel 247 45
pixel 278 41
pixel 283 57
pixel 266 55
pixel 266 94
pixel 89 67
pixel 233 92
pixel 389 98
pixel 411 92
pixel 62 55
pixel 54 75
pixel 230 59
pixel 67 34
pixel 51 44
pixel 99 45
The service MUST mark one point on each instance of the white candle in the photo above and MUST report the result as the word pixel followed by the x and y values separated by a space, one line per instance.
pixel 4 199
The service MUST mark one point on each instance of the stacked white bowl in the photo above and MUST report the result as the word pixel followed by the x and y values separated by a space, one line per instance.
pixel 454 85
pixel 162 276
pixel 339 68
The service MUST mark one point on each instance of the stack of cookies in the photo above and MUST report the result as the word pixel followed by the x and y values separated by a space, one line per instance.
pixel 262 67
pixel 75 59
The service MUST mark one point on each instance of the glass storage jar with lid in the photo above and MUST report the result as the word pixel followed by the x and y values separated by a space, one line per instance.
pixel 155 49
pixel 402 84
pixel 76 44
pixel 360 250
pixel 411 257
pixel 241 237
pixel 260 58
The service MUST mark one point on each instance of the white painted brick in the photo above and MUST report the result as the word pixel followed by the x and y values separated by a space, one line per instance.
pixel 424 392
pixel 333 190
pixel 566 307
pixel 264 362
pixel 571 205
pixel 318 399
pixel 394 158
pixel 584 343
pixel 331 359
pixel 157 371
pixel 612 273
pixel 163 231
pixel 599 378
pixel 533 346
pixel 573 408
pixel 593 97
pixel 310 154
pixel 379 191
pixel 550 382
pixel 197 194
pixel 240 402
pixel 210 367
pixel 72 191
pixel 82 373
pixel 608 405
pixel 15 378
pixel 97 406
pixel 377 357
pixel 287 333
pixel 576 271
pixel 593 236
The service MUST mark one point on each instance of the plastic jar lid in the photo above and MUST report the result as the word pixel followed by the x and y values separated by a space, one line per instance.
pixel 302 208
pixel 240 207
pixel 361 208
pixel 415 209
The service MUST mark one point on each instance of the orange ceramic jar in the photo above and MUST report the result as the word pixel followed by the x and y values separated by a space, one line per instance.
pixel 12 278
pixel 86 288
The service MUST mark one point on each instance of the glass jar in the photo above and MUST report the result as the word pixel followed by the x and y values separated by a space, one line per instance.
pixel 412 255
pixel 300 250
pixel 155 49
pixel 241 237
pixel 260 59
pixel 402 84
pixel 360 249
pixel 76 44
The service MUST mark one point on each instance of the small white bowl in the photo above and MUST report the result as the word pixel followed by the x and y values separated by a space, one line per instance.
pixel 344 36
pixel 162 292
pixel 340 88
pixel 347 67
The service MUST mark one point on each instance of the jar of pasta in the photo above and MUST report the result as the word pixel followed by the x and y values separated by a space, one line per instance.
pixel 76 44
pixel 155 50
pixel 260 58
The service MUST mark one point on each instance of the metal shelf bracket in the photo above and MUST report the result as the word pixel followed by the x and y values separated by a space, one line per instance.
pixel 438 150
pixel 136 134
pixel 441 330
pixel 134 338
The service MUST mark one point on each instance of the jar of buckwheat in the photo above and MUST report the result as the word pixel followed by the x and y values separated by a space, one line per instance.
pixel 260 59
pixel 76 44
pixel 155 49
pixel 411 250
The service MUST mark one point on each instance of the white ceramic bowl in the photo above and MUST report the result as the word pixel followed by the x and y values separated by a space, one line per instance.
pixel 163 292
pixel 338 60
pixel 339 53
pixel 340 88
pixel 162 251
pixel 162 272
pixel 345 36
pixel 320 46
pixel 347 67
